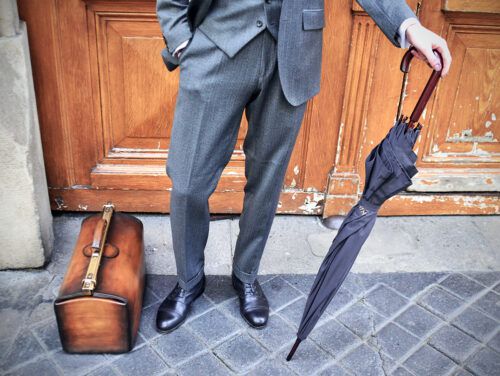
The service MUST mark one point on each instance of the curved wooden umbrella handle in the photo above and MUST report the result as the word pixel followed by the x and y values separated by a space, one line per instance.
pixel 429 87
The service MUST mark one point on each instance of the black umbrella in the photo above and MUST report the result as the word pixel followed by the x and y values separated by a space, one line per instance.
pixel 389 168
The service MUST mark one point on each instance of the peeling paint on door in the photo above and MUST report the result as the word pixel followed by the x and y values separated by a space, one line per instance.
pixel 311 205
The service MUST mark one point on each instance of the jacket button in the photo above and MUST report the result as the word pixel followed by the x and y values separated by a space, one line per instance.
pixel 259 23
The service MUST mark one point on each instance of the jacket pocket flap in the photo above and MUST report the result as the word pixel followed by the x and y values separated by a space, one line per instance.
pixel 313 19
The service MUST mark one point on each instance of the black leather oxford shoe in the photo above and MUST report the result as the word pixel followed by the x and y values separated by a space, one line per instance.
pixel 254 307
pixel 174 310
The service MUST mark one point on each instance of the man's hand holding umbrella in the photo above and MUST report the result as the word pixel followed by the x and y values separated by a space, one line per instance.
pixel 424 41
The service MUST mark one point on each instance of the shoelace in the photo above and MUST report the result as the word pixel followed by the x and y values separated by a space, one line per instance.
pixel 179 291
pixel 250 287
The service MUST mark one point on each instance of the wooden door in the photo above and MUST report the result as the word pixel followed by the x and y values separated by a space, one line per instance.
pixel 459 171
pixel 106 105
pixel 106 102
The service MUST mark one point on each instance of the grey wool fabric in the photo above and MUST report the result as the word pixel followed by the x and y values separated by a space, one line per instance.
pixel 258 56
pixel 232 24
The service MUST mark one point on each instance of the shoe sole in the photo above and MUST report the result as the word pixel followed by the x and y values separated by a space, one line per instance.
pixel 185 318
pixel 245 319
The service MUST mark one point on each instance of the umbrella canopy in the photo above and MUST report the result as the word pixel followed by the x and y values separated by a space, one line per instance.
pixel 389 168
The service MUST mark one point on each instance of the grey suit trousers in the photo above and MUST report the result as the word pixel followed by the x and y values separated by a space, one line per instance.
pixel 214 90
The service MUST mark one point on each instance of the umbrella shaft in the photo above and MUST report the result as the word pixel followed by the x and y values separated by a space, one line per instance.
pixel 294 348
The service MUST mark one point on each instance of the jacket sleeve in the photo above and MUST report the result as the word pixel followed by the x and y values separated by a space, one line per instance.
pixel 388 15
pixel 172 16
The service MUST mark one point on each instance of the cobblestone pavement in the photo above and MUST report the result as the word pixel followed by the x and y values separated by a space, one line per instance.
pixel 378 324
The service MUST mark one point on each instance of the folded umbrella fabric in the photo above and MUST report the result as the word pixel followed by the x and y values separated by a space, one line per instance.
pixel 389 168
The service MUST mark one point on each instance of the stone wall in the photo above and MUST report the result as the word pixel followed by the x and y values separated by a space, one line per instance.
pixel 26 235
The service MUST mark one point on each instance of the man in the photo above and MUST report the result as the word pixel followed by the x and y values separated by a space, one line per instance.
pixel 262 56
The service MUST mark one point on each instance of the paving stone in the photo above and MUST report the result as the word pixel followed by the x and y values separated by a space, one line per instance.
pixel 428 361
pixel 365 361
pixel 485 278
pixel 394 341
pixel 24 348
pixel 12 320
pixel 385 300
pixel 23 290
pixel 489 303
pixel 160 284
pixel 323 353
pixel 279 293
pixel 494 343
pixel 354 283
pixel 400 371
pixel 484 363
pixel 462 372
pixel 207 362
pixel 497 288
pixel 440 302
pixel 177 346
pixel 147 326
pixel 476 324
pixel 334 337
pixel 40 367
pixel 232 307
pixel 143 361
pixel 453 342
pixel 263 278
pixel 218 288
pixel 302 282
pixel 293 313
pixel 417 320
pixel 407 283
pixel 275 334
pixel 49 335
pixel 411 284
pixel 213 326
pixel 77 364
pixel 340 301
pixel 461 286
pixel 149 297
pixel 43 311
pixel 361 319
pixel 308 358
pixel 334 370
pixel 4 347
pixel 201 305
pixel 270 367
pixel 241 352
pixel 105 370
pixel 370 280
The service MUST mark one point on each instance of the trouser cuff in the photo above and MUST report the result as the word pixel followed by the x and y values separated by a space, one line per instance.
pixel 242 276
pixel 188 285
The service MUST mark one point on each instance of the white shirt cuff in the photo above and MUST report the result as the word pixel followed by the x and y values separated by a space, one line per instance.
pixel 180 47
pixel 402 31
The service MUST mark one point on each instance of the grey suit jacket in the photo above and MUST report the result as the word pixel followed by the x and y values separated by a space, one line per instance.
pixel 301 29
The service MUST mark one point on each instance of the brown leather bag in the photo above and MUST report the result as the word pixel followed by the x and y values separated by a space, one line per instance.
pixel 99 303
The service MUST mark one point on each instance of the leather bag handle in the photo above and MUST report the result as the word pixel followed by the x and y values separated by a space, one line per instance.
pixel 89 282
pixel 99 233
pixel 429 87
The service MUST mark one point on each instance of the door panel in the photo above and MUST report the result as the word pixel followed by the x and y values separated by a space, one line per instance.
pixel 106 105
pixel 458 148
